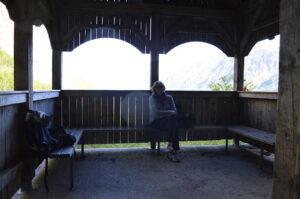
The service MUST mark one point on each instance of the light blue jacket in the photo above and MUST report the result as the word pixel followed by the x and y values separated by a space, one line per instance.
pixel 157 109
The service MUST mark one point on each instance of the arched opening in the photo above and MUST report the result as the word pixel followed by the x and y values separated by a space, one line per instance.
pixel 42 59
pixel 6 50
pixel 106 64
pixel 196 66
pixel 261 66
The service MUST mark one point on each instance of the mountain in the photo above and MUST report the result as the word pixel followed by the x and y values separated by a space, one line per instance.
pixel 261 69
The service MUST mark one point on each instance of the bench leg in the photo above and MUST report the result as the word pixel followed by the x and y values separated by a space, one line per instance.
pixel 236 141
pixel 226 146
pixel 158 147
pixel 46 174
pixel 261 155
pixel 74 152
pixel 71 173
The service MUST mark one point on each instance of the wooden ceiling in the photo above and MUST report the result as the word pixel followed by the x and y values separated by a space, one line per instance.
pixel 234 26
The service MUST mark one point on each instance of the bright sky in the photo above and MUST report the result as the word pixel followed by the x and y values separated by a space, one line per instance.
pixel 108 64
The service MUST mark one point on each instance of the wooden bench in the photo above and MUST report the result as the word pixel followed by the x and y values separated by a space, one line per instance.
pixel 263 139
pixel 65 152
pixel 207 130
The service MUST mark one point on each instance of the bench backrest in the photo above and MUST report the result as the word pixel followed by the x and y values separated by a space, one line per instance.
pixel 94 109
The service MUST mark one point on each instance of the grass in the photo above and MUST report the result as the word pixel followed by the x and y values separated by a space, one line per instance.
pixel 163 144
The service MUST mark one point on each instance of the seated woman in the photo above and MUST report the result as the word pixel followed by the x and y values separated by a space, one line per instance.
pixel 163 117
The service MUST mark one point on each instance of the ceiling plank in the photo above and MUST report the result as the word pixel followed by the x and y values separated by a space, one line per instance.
pixel 148 9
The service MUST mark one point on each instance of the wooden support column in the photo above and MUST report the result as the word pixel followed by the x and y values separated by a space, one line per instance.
pixel 23 80
pixel 154 73
pixel 238 73
pixel 154 67
pixel 23 72
pixel 56 70
pixel 287 152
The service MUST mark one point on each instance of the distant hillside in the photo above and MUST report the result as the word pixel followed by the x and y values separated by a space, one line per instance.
pixel 7 74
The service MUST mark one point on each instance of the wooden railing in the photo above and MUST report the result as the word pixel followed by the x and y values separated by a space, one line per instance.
pixel 12 139
pixel 97 109
pixel 258 110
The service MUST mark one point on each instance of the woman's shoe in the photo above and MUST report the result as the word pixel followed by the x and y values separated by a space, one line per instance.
pixel 173 157
pixel 170 148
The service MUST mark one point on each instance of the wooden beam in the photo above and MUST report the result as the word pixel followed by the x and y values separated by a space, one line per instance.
pixel 12 99
pixel 137 31
pixel 56 70
pixel 148 9
pixel 154 55
pixel 224 34
pixel 259 95
pixel 238 73
pixel 45 95
pixel 286 182
pixel 250 25
pixel 75 29
pixel 173 28
pixel 23 71
pixel 266 23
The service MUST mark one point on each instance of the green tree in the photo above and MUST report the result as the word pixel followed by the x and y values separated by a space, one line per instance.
pixel 224 83
pixel 7 74
pixel 6 71
pixel 250 86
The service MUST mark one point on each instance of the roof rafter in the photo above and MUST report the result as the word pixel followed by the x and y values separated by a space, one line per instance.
pixel 149 9
pixel 248 30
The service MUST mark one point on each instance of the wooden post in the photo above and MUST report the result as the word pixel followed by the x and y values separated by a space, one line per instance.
pixel 23 72
pixel 238 73
pixel 23 80
pixel 154 50
pixel 287 152
pixel 56 70
pixel 154 67
pixel 57 84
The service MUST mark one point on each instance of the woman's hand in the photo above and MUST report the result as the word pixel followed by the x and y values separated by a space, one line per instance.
pixel 172 112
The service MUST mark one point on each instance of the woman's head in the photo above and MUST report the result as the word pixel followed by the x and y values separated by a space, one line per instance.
pixel 158 88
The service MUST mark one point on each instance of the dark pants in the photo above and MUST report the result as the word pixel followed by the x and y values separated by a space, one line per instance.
pixel 168 124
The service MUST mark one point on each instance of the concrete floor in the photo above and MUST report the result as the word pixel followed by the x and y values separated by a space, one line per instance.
pixel 204 172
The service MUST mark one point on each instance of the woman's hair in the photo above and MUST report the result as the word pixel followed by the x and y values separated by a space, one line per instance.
pixel 158 84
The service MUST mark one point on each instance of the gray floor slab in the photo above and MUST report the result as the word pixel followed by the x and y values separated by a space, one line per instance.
pixel 204 172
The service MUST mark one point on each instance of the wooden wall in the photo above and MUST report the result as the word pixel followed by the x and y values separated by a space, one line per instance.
pixel 258 110
pixel 97 109
pixel 12 138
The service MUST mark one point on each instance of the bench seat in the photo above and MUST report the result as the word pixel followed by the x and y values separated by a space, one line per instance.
pixel 252 133
pixel 65 152
pixel 209 132
pixel 263 139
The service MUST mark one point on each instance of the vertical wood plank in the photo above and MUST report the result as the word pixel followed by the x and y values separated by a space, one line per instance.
pixel 98 111
pixel 66 113
pixel 73 113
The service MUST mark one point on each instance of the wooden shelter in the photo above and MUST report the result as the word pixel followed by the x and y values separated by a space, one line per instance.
pixel 155 27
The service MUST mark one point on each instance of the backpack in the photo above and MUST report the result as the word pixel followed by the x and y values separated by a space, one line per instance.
pixel 37 133
pixel 61 134
pixel 185 120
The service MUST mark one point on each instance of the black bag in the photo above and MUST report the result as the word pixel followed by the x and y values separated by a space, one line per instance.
pixel 37 132
pixel 185 120
pixel 61 134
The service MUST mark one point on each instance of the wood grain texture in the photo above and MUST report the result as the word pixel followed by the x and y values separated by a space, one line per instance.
pixel 259 113
pixel 287 162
